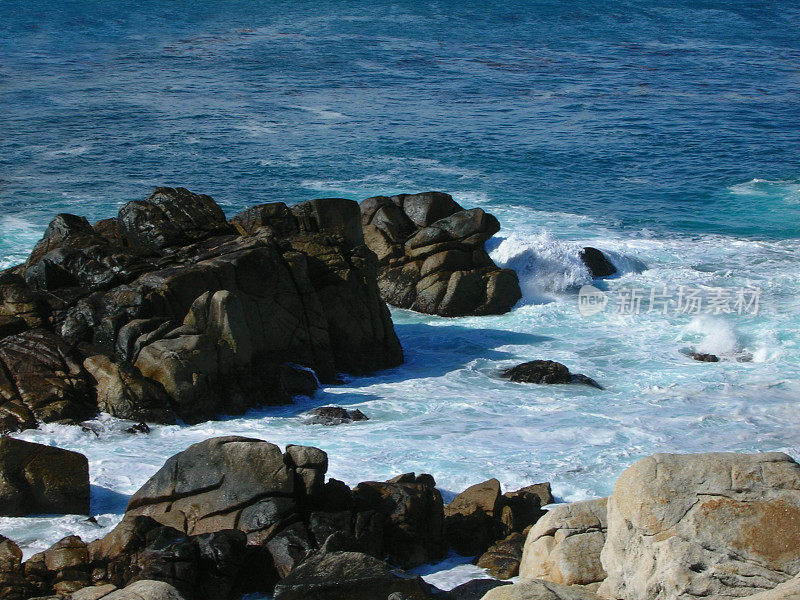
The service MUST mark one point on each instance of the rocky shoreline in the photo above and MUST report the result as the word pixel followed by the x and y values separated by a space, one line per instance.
pixel 172 313
pixel 233 515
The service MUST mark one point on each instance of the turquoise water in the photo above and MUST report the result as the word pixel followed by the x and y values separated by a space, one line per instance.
pixel 668 136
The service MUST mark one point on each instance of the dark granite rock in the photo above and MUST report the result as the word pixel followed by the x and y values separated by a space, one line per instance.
pixel 333 415
pixel 547 371
pixel 597 262
pixel 41 479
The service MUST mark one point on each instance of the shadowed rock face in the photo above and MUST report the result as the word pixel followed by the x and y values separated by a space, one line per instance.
pixel 41 479
pixel 431 256
pixel 169 310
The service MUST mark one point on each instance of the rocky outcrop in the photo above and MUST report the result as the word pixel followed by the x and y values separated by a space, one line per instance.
pixel 482 515
pixel 546 371
pixel 171 311
pixel 564 545
pixel 431 256
pixel 144 589
pixel 37 479
pixel 720 525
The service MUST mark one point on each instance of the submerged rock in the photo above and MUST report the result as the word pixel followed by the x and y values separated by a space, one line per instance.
pixel 169 311
pixel 333 415
pixel 546 371
pixel 41 479
pixel 431 256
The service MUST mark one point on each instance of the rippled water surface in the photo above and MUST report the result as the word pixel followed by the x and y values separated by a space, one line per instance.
pixel 668 136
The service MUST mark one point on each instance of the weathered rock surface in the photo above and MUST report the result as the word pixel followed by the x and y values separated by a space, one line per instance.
pixel 333 415
pixel 481 515
pixel 474 590
pixel 431 256
pixel 564 545
pixel 144 589
pixel 351 575
pixel 546 371
pixel 718 525
pixel 705 357
pixel 176 312
pixel 537 589
pixel 41 479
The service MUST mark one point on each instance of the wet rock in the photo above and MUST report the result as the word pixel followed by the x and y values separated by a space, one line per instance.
pixel 275 216
pixel 597 262
pixel 171 217
pixel 333 415
pixel 41 479
pixel 502 559
pixel 41 380
pixel 65 232
pixel 704 357
pixel 546 371
pixel 431 255
pixel 138 428
pixel 351 575
pixel 565 544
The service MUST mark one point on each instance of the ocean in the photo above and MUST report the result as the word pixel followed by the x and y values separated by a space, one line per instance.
pixel 665 134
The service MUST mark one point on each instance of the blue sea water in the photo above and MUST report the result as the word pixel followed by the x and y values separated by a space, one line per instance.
pixel 667 134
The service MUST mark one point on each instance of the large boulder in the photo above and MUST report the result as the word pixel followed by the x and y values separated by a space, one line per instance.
pixel 351 575
pixel 564 545
pixel 597 262
pixel 179 314
pixel 144 589
pixel 41 479
pixel 715 525
pixel 503 558
pixel 431 255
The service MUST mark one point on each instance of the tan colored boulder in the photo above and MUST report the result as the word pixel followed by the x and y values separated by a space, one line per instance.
pixel 123 392
pixel 564 546
pixel 537 589
pixel 717 525
pixel 146 589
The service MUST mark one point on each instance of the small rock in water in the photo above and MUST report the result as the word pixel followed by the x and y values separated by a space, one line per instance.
pixel 546 371
pixel 597 263
pixel 138 428
pixel 704 357
pixel 334 415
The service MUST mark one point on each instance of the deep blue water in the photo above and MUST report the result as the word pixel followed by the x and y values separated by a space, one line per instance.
pixel 644 112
